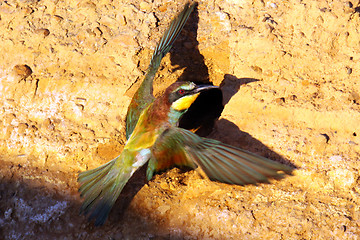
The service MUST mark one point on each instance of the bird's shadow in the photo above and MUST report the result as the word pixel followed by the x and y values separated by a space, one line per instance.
pixel 186 55
pixel 203 113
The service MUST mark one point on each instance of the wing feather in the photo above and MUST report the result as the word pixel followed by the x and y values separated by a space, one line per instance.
pixel 219 161
pixel 144 96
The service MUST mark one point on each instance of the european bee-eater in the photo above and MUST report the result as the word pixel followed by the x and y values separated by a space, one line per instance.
pixel 154 137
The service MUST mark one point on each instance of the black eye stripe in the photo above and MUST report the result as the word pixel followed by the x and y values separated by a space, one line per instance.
pixel 178 93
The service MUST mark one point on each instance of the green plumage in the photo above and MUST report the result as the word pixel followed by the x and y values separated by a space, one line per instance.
pixel 154 137
pixel 101 187
pixel 219 161
pixel 144 95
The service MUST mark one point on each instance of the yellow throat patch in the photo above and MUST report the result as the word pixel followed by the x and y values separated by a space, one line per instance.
pixel 185 102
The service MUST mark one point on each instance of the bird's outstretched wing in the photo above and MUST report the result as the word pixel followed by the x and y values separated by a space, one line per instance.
pixel 144 95
pixel 219 161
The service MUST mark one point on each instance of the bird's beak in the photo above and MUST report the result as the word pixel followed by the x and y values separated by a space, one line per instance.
pixel 201 88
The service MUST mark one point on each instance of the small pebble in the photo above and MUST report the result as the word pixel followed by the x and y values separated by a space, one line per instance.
pixel 23 71
pixel 145 7
pixel 348 4
pixel 42 31
pixel 293 97
pixel 305 83
pixel 280 100
pixel 349 70
pixel 58 18
pixel 22 128
pixel 355 97
pixel 80 106
pixel 164 185
pixel 48 124
pixel 257 69
pixel 273 5
pixel 122 20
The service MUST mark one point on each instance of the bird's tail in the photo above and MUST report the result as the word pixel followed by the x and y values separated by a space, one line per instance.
pixel 100 187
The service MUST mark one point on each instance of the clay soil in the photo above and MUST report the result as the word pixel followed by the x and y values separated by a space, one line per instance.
pixel 289 72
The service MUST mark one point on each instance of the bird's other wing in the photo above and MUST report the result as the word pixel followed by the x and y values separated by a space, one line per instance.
pixel 168 151
pixel 219 161
pixel 144 95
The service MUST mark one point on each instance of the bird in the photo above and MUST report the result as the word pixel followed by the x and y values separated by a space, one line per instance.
pixel 154 137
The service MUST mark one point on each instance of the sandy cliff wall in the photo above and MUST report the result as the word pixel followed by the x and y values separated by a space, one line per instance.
pixel 290 75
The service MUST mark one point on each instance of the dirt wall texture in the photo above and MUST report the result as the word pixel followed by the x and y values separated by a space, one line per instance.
pixel 289 71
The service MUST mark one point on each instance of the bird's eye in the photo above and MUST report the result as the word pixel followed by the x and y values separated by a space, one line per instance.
pixel 181 91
